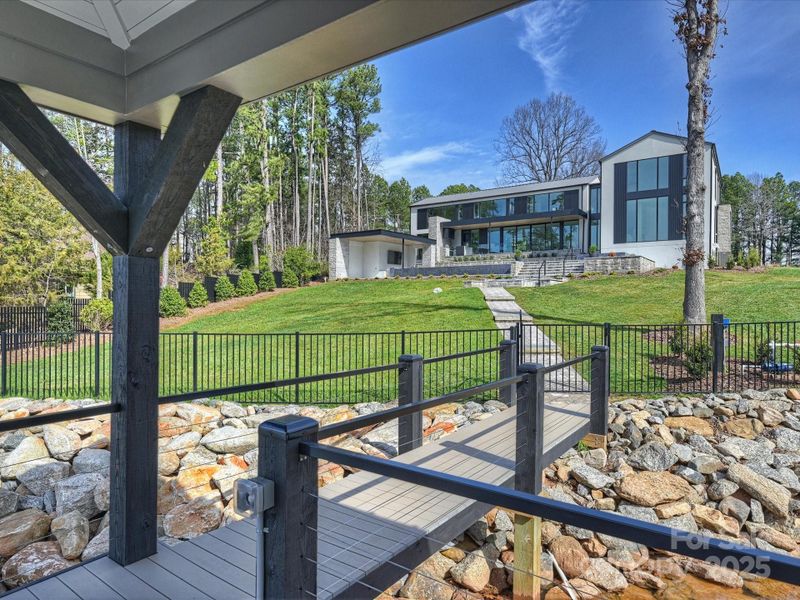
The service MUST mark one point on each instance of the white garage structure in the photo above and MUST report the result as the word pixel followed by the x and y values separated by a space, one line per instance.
pixel 374 253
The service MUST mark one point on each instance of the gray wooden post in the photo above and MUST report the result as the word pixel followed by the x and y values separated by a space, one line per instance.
pixel 508 368
pixel 718 348
pixel 290 556
pixel 598 420
pixel 134 381
pixel 528 478
pixel 410 384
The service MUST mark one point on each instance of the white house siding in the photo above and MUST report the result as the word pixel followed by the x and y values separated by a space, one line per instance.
pixel 666 253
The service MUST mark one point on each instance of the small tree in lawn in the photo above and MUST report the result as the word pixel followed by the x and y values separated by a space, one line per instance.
pixel 60 321
pixel 290 279
pixel 224 289
pixel 212 257
pixel 697 23
pixel 198 296
pixel 171 303
pixel 267 281
pixel 246 286
pixel 98 315
pixel 299 260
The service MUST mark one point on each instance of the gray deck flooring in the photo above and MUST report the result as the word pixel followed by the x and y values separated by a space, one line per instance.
pixel 365 521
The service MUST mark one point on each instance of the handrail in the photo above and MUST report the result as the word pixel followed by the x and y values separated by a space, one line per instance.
pixel 429 361
pixel 569 363
pixel 269 385
pixel 780 567
pixel 407 409
pixel 58 417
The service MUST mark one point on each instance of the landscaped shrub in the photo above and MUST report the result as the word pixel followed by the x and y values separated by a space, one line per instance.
pixel 59 321
pixel 676 343
pixel 198 296
pixel 301 262
pixel 763 352
pixel 267 281
pixel 731 263
pixel 171 304
pixel 246 286
pixel 290 279
pixel 699 358
pixel 98 315
pixel 753 258
pixel 224 289
pixel 712 262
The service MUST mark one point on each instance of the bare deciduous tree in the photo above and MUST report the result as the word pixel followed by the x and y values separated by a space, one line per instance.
pixel 697 23
pixel 548 140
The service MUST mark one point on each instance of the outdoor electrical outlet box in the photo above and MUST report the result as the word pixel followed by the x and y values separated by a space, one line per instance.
pixel 251 496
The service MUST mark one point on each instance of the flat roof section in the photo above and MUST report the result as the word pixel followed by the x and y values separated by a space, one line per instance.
pixel 383 235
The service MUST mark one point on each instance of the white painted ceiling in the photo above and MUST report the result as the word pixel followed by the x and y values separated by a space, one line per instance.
pixel 118 20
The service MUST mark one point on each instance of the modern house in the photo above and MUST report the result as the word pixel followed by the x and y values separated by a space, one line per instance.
pixel 635 208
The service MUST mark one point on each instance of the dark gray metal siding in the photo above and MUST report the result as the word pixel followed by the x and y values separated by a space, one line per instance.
pixel 620 181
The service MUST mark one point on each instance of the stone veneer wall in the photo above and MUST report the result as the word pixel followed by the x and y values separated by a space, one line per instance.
pixel 338 255
pixel 618 264
pixel 724 232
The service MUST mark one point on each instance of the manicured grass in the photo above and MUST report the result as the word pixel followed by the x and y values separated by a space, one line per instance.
pixel 363 306
pixel 773 295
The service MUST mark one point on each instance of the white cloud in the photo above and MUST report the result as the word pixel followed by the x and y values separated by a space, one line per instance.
pixel 402 164
pixel 547 27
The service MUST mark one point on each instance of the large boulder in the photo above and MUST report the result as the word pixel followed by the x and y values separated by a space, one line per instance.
pixel 62 443
pixel 712 519
pixel 742 449
pixel 198 414
pixel 419 585
pixel 194 518
pixel 43 478
pixel 570 555
pixel 604 576
pixel 590 477
pixel 653 456
pixel 473 572
pixel 183 444
pixel 9 501
pixel 97 546
pixel 72 533
pixel 77 493
pixel 30 453
pixel 692 424
pixel 744 428
pixel 230 440
pixel 652 488
pixel 20 529
pixel 773 496
pixel 34 562
pixel 786 440
pixel 196 482
pixel 92 460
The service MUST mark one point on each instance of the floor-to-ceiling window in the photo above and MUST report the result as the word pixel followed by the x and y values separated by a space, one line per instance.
pixel 647 219
pixel 494 240
pixel 571 235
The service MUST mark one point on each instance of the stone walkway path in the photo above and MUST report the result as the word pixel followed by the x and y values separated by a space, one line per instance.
pixel 536 347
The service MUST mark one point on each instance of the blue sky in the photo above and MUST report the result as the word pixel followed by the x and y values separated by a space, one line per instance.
pixel 444 99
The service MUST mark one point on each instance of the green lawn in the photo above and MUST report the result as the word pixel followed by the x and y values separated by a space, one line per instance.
pixel 773 295
pixel 347 306
pixel 259 343
pixel 642 359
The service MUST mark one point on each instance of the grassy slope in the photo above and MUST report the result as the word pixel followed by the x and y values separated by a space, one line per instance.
pixel 773 295
pixel 350 306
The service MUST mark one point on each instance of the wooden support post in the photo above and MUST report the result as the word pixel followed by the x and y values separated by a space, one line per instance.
pixel 508 368
pixel 290 555
pixel 410 379
pixel 528 478
pixel 598 405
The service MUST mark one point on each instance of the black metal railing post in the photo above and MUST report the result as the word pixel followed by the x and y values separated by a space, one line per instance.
pixel 528 478
pixel 508 368
pixel 288 559
pixel 718 348
pixel 410 384
pixel 3 363
pixel 598 420
pixel 97 364
pixel 297 365
pixel 194 361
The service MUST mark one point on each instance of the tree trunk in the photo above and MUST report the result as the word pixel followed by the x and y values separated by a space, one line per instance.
pixel 165 268
pixel 219 190
pixel 98 269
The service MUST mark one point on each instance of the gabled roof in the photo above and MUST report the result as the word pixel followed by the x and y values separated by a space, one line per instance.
pixel 513 190
pixel 651 133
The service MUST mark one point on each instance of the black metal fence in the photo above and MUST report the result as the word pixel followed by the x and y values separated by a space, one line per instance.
pixel 678 358
pixel 80 367
pixel 33 319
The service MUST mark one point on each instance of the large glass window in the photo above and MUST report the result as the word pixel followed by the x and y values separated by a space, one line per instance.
pixel 557 201
pixel 648 174
pixel 647 219
pixel 594 199
pixel 508 239
pixel 541 203
pixel 572 235
pixel 594 233
pixel 524 237
pixel 494 240
pixel 538 237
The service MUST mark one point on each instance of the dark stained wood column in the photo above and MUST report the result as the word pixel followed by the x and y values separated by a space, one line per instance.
pixel 134 429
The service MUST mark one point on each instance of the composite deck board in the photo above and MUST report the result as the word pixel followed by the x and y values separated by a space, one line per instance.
pixel 366 523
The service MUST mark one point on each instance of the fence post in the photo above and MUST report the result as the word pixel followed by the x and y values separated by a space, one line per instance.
pixel 598 404
pixel 3 363
pixel 194 361
pixel 97 364
pixel 288 565
pixel 508 368
pixel 528 478
pixel 410 383
pixel 296 365
pixel 403 342
pixel 718 347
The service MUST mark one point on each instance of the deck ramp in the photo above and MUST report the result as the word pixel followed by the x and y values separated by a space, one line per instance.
pixel 372 529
